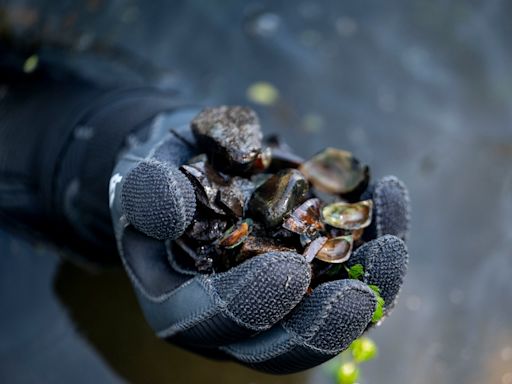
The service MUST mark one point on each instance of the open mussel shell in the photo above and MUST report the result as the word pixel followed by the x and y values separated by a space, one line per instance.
pixel 357 234
pixel 314 247
pixel 305 219
pixel 236 235
pixel 336 250
pixel 206 181
pixel 219 193
pixel 336 171
pixel 349 216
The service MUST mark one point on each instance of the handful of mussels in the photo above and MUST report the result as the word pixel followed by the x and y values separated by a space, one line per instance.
pixel 255 196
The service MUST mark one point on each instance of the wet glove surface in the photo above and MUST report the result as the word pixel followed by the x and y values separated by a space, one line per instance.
pixel 257 313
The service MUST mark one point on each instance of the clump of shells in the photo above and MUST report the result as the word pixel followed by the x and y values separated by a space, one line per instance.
pixel 255 196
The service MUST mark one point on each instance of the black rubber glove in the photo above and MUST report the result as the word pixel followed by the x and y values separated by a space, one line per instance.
pixel 256 313
pixel 60 140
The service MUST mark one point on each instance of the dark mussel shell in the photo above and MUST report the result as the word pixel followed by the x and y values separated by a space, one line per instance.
pixel 221 194
pixel 277 196
pixel 234 197
pixel 206 182
pixel 305 219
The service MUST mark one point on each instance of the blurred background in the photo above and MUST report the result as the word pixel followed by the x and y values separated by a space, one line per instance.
pixel 417 88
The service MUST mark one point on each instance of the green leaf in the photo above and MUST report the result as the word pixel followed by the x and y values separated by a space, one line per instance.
pixel 379 309
pixel 348 373
pixel 355 272
pixel 375 289
pixel 379 312
pixel 363 349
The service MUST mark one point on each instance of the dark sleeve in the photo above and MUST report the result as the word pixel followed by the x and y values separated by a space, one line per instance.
pixel 59 138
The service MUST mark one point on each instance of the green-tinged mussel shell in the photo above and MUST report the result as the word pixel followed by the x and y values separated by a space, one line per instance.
pixel 236 235
pixel 349 216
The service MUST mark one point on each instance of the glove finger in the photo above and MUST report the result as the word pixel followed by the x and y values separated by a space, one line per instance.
pixel 322 326
pixel 385 263
pixel 158 199
pixel 146 262
pixel 208 311
pixel 391 209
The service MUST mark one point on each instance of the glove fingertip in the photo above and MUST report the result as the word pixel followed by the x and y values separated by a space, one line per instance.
pixel 334 315
pixel 391 214
pixel 385 263
pixel 264 289
pixel 158 200
pixel 323 324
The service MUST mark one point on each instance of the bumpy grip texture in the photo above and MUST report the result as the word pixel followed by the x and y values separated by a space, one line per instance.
pixel 391 213
pixel 385 264
pixel 263 290
pixel 158 200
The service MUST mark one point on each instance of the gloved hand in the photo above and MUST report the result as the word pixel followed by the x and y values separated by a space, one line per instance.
pixel 256 313
pixel 60 139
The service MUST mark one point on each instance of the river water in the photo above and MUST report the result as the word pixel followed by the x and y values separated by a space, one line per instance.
pixel 419 89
